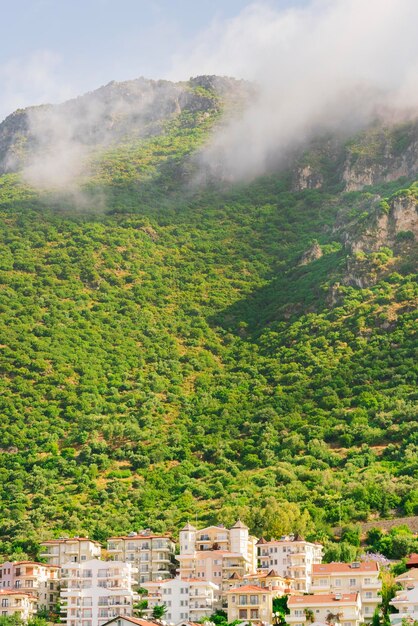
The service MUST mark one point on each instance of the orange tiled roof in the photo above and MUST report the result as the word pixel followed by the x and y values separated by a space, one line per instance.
pixel 8 592
pixel 30 563
pixel 328 568
pixel 321 598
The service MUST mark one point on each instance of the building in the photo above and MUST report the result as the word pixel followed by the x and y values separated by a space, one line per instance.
pixel 291 557
pixel 412 561
pixel 14 602
pixel 409 579
pixel 406 603
pixel 128 621
pixel 74 550
pixel 250 603
pixel 329 608
pixel 190 599
pixel 215 553
pixel 271 580
pixel 153 556
pixel 347 578
pixel 94 591
pixel 40 580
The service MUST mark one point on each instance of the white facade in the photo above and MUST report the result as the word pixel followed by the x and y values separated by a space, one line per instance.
pixel 347 578
pixel 151 555
pixel 345 609
pixel 184 599
pixel 17 603
pixel 37 579
pixel 73 550
pixel 406 602
pixel 94 591
pixel 214 553
pixel 291 557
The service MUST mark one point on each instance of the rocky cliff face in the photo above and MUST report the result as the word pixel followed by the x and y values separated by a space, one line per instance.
pixel 382 154
pixel 136 108
pixel 394 220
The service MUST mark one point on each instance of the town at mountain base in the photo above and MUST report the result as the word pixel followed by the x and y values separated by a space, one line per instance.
pixel 177 344
pixel 220 574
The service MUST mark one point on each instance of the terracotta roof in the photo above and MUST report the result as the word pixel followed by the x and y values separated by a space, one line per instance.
pixel 248 588
pixel 8 592
pixel 134 537
pixel 412 560
pixel 322 598
pixel 328 568
pixel 31 563
pixel 132 620
pixel 70 539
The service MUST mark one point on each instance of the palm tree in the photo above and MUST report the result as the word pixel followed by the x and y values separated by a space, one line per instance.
pixel 159 611
pixel 333 618
pixel 310 616
pixel 140 608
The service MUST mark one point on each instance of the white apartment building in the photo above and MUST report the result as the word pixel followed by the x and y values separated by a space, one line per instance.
pixel 291 557
pixel 151 555
pixel 40 580
pixel 74 550
pixel 17 603
pixel 338 608
pixel 214 553
pixel 406 603
pixel 347 578
pixel 92 592
pixel 409 579
pixel 189 599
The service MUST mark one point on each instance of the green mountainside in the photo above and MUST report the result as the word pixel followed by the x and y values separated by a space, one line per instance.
pixel 171 351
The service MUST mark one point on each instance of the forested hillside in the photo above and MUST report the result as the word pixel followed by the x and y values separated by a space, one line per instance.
pixel 173 351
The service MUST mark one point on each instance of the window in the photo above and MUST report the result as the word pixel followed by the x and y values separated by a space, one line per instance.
pixel 369 594
pixel 243 599
pixel 253 600
pixel 323 581
pixel 353 582
pixel 338 582
pixel 243 613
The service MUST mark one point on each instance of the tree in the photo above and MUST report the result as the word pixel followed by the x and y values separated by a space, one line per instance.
pixel 159 611
pixel 309 615
pixel 140 608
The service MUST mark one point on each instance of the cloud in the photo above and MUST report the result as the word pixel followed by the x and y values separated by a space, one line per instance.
pixel 30 80
pixel 331 64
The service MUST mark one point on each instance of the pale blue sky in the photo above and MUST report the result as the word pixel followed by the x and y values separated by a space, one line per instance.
pixel 54 49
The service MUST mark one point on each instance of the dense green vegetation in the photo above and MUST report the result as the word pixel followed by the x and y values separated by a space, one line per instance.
pixel 165 356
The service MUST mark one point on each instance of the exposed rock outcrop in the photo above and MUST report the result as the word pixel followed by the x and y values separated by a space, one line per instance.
pixel 400 216
pixel 312 254
pixel 307 178
pixel 381 155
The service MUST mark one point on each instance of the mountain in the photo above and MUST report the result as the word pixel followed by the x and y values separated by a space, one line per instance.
pixel 176 346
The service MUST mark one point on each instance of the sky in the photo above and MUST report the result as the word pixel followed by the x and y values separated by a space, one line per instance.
pixel 52 50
